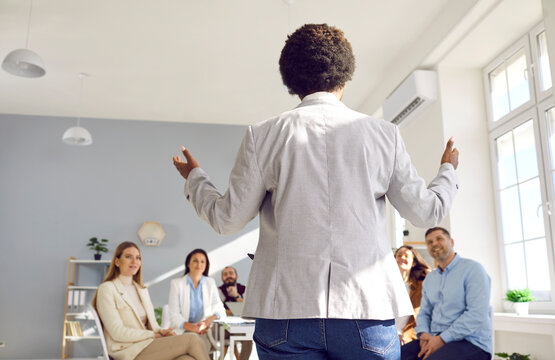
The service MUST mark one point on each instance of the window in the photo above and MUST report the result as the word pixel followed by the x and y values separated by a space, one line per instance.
pixel 510 82
pixel 522 118
pixel 543 62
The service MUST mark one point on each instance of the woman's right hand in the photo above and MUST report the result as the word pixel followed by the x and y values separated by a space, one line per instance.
pixel 191 327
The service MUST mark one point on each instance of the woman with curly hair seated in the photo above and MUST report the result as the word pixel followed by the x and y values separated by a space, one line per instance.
pixel 413 269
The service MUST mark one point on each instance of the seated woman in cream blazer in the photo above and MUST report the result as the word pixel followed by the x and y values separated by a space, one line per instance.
pixel 130 328
pixel 194 300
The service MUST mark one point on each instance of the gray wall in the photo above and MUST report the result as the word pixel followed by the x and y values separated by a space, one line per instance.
pixel 54 197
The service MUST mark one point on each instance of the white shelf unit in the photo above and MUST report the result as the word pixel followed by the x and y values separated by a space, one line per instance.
pixel 82 314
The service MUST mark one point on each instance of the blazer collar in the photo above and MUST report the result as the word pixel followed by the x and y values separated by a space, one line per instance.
pixel 320 97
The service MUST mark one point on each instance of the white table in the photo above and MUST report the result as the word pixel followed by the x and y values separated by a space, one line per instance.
pixel 238 328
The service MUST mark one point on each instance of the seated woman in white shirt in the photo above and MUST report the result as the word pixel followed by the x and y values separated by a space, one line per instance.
pixel 194 300
pixel 130 328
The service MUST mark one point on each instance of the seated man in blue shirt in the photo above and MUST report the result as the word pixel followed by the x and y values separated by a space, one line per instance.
pixel 454 321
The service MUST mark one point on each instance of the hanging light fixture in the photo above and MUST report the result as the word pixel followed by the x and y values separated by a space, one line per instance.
pixel 78 135
pixel 24 62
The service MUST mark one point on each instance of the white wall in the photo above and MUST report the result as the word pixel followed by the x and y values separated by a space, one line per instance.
pixel 424 140
pixel 473 221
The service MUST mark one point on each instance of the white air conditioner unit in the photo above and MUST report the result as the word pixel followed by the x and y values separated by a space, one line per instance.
pixel 417 92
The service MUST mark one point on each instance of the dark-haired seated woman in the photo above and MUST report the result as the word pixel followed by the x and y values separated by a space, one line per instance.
pixel 130 328
pixel 413 269
pixel 194 298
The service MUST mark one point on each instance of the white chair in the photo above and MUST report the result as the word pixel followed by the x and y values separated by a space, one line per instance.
pixel 101 334
pixel 165 317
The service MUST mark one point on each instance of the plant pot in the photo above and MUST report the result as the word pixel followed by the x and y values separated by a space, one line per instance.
pixel 97 256
pixel 521 308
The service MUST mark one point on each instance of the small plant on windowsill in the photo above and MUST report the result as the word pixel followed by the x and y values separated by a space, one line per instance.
pixel 520 299
pixel 98 246
pixel 513 356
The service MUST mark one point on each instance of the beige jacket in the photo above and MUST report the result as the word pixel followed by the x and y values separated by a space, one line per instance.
pixel 318 177
pixel 126 336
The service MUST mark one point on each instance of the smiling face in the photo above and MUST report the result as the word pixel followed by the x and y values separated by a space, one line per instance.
pixel 440 246
pixel 197 264
pixel 129 261
pixel 405 259
pixel 229 277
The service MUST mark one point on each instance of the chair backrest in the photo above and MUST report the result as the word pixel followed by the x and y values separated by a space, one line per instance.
pixel 101 334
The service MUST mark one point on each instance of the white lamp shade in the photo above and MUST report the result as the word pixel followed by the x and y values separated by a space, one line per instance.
pixel 77 136
pixel 24 62
pixel 151 233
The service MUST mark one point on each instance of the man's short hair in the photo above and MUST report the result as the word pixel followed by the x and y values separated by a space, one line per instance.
pixel 230 267
pixel 316 57
pixel 430 230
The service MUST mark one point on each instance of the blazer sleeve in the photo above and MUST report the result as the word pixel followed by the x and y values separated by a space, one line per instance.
pixel 109 310
pixel 229 213
pixel 175 304
pixel 216 303
pixel 149 309
pixel 422 206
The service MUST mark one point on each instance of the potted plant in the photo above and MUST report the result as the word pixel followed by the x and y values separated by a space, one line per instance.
pixel 98 246
pixel 513 356
pixel 520 299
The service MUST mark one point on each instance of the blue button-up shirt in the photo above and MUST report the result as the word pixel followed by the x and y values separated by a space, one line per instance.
pixel 455 304
pixel 196 308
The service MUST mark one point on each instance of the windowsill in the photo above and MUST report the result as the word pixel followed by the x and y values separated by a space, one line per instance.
pixel 531 323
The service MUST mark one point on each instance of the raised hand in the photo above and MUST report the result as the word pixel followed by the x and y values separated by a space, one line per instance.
pixel 185 168
pixel 451 155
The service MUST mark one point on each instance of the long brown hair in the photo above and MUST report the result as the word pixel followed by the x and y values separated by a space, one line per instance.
pixel 420 267
pixel 113 270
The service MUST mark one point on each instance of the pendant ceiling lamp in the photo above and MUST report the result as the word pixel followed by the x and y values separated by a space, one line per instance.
pixel 24 62
pixel 78 135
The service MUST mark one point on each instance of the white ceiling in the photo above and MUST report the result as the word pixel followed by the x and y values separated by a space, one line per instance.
pixel 211 61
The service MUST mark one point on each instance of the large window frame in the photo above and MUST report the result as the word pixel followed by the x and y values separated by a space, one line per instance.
pixel 532 110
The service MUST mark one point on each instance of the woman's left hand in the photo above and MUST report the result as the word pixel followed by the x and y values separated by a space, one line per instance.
pixel 205 324
pixel 167 332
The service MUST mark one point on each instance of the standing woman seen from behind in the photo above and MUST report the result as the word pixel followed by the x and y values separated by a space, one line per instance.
pixel 130 328
pixel 194 299
pixel 413 269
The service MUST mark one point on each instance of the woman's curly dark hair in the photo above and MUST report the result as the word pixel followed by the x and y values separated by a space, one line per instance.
pixel 316 57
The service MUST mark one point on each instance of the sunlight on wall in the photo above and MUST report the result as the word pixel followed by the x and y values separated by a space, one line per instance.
pixel 227 254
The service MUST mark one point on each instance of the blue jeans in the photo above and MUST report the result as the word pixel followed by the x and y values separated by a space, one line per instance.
pixel 326 339
pixel 456 350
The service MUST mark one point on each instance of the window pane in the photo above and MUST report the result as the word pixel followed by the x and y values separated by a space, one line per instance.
pixel 499 93
pixel 516 271
pixel 545 70
pixel 532 212
pixel 517 76
pixel 525 147
pixel 537 266
pixel 550 116
pixel 506 160
pixel 510 215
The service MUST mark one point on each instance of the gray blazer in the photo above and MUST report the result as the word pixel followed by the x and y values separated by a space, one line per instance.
pixel 318 176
